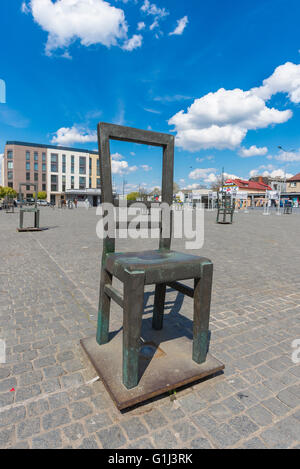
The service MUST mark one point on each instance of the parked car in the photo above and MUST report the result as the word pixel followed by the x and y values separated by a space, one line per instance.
pixel 42 203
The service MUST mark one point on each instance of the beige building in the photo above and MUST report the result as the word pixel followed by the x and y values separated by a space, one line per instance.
pixel 293 184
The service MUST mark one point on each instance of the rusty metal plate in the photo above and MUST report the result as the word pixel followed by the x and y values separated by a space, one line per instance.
pixel 165 364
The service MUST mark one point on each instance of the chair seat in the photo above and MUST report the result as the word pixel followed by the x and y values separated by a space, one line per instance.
pixel 158 266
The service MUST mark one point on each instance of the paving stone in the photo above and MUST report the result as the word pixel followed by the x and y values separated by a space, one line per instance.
pixel 45 361
pixel 22 368
pixel 184 430
pixel 74 431
pixel 6 437
pixel 64 356
pixel 155 419
pixel 54 371
pixel 254 443
pixel 58 400
pixel 80 410
pixel 134 428
pixel 275 406
pixel 243 425
pixel 28 428
pixel 69 381
pixel 6 399
pixel 37 408
pixel 11 416
pixel 143 443
pixel 260 415
pixel 192 403
pixel 200 443
pixel 81 393
pixel 4 373
pixel 32 377
pixel 50 440
pixel 112 437
pixel 225 435
pixel 165 439
pixel 89 443
pixel 55 419
pixel 7 384
pixel 27 392
pixel 97 422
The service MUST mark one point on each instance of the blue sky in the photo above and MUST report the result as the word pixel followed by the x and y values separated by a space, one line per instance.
pixel 224 77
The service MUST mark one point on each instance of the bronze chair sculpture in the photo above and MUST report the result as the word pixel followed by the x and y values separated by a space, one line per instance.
pixel 34 210
pixel 225 208
pixel 162 267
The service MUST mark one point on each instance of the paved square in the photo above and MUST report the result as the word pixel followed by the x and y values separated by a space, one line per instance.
pixel 49 284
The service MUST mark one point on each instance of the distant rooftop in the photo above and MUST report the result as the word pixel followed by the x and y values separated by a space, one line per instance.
pixel 295 178
pixel 53 147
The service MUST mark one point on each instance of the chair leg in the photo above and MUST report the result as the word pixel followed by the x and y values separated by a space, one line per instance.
pixel 132 325
pixel 202 300
pixel 104 309
pixel 159 306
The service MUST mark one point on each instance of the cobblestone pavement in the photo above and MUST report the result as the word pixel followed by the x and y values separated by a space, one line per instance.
pixel 49 291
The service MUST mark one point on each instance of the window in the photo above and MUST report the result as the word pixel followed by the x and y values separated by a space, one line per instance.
pixel 9 175
pixel 36 177
pixel 10 184
pixel 28 188
pixel 82 184
pixel 98 167
pixel 64 163
pixel 91 165
pixel 36 156
pixel 27 155
pixel 82 165
pixel 98 183
pixel 10 165
pixel 90 182
pixel 54 183
pixel 44 177
pixel 44 156
pixel 36 166
pixel 72 182
pixel 54 163
pixel 63 183
pixel 72 164
pixel 9 154
pixel 27 176
pixel 293 184
pixel 44 167
pixel 44 187
pixel 27 166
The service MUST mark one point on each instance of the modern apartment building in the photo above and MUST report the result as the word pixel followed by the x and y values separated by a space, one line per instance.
pixel 57 170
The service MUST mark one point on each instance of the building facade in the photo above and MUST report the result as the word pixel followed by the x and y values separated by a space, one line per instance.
pixel 56 169
pixel 293 184
pixel 25 163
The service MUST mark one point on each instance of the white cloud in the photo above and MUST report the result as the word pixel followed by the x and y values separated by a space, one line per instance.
pixel 25 8
pixel 152 9
pixel 253 151
pixel 288 156
pixel 222 119
pixel 285 79
pixel 133 43
pixel 146 168
pixel 153 111
pixel 181 24
pixel 270 172
pixel 90 21
pixel 201 173
pixel 117 156
pixel 122 167
pixel 75 134
pixel 141 25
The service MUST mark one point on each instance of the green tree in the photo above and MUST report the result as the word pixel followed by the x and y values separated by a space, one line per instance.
pixel 133 196
pixel 7 192
pixel 42 195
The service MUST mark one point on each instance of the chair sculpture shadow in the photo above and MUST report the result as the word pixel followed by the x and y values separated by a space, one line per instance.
pixel 162 267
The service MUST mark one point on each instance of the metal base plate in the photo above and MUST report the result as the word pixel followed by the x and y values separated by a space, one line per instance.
pixel 29 229
pixel 165 364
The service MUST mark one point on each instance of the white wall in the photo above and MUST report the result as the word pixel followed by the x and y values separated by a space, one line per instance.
pixel 68 174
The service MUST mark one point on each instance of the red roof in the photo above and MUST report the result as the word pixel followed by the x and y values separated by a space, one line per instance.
pixel 295 178
pixel 249 184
